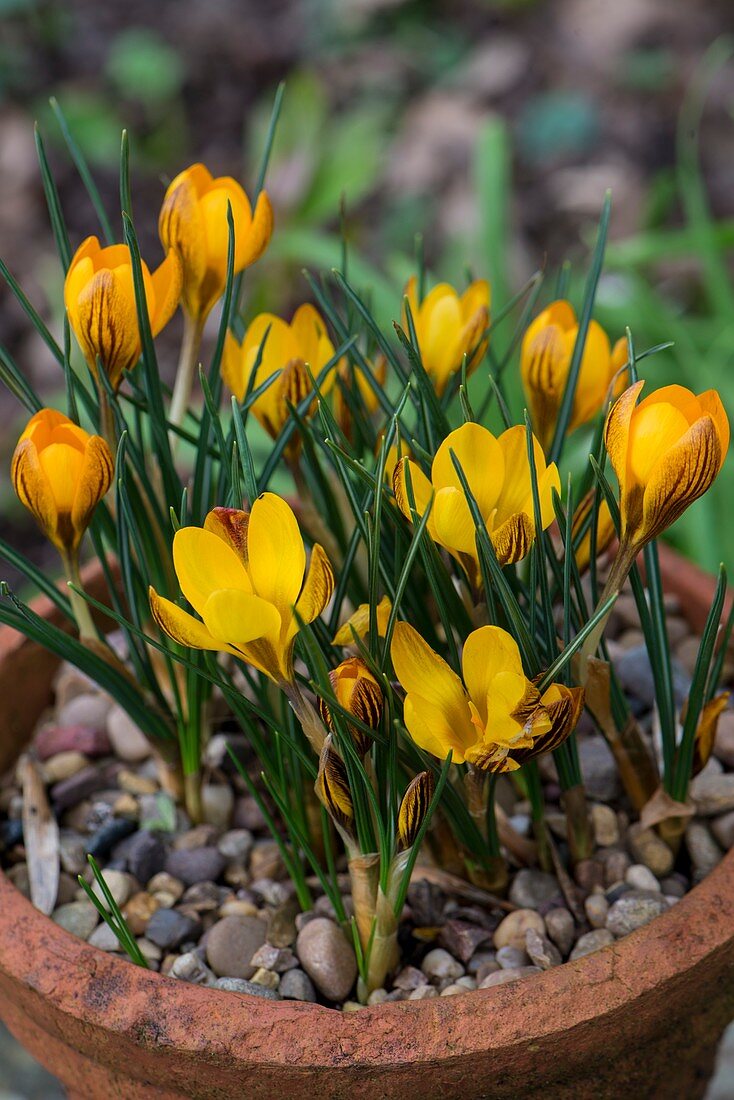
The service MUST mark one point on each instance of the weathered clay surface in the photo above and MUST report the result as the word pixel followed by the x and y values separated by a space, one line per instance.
pixel 638 1018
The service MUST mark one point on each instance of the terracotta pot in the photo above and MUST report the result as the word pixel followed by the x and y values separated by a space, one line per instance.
pixel 640 1018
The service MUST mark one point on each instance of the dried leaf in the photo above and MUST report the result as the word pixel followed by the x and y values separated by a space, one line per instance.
pixel 661 807
pixel 41 839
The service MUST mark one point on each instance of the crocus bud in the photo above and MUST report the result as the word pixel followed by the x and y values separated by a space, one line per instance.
pixel 449 326
pixel 414 807
pixel 277 347
pixel 99 296
pixel 359 693
pixel 545 360
pixel 193 222
pixel 359 621
pixel 666 452
pixel 60 474
pixel 332 787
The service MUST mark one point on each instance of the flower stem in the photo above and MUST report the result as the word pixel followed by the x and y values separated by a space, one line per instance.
pixel 192 797
pixel 85 624
pixel 306 714
pixel 578 826
pixel 187 361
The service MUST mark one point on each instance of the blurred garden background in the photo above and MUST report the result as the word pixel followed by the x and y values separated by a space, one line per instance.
pixel 491 128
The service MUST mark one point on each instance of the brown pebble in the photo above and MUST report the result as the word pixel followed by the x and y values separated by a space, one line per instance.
pixel 138 911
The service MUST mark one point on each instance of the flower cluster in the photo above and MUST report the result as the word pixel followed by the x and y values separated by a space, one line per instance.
pixel 385 587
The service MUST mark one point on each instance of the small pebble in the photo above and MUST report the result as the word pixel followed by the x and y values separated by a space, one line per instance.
pixel 88 710
pixel 63 739
pixel 118 883
pixel 541 951
pixel 648 848
pixel 78 917
pixel 615 866
pixel 328 958
pixel 724 744
pixel 596 908
pixel 231 943
pixel 266 978
pixel 510 958
pixel 63 765
pixel 134 783
pixel 146 856
pixel 218 804
pixel 251 989
pixel 560 926
pixel 511 930
pixel 423 992
pixel 601 778
pixel 295 985
pixel 139 910
pixel 452 990
pixel 190 968
pixel 531 888
pixel 705 853
pixel 439 965
pixel 277 959
pixel 168 929
pixel 163 883
pixel 104 939
pixel 633 910
pixel 195 865
pixel 128 742
pixel 723 830
pixel 110 834
pixel 410 977
pixel 236 844
pixel 589 873
pixel 377 997
pixel 641 877
pixel 713 794
pixel 461 939
pixel 590 942
pixel 606 827
pixel 503 976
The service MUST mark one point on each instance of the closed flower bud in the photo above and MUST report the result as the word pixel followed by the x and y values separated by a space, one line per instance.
pixel 449 326
pixel 282 349
pixel 332 787
pixel 193 222
pixel 413 808
pixel 359 693
pixel 666 452
pixel 545 359
pixel 359 621
pixel 60 474
pixel 99 296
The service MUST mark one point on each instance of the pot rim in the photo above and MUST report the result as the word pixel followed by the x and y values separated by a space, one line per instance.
pixel 254 1032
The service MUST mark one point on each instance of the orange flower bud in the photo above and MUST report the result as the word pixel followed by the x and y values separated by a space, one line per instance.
pixel 359 693
pixel 60 474
pixel 449 326
pixel 100 302
pixel 193 222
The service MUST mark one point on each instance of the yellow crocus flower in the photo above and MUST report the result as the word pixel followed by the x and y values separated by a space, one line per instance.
pixel 449 326
pixel 193 222
pixel 100 302
pixel 360 620
pixel 545 359
pixel 493 716
pixel 245 575
pixel 60 474
pixel 498 473
pixel 286 348
pixel 666 452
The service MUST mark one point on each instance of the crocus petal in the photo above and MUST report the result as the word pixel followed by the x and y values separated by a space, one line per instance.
pixel 33 488
pixel 512 539
pixel 453 523
pixel 435 731
pixel 95 478
pixel 684 473
pixel 260 232
pixel 423 673
pixel 230 525
pixel 167 282
pixel 238 617
pixel 481 458
pixel 616 433
pixel 420 485
pixel 181 227
pixel 205 563
pixel 183 627
pixel 487 652
pixel 318 587
pixel 106 324
pixel 710 403
pixel 277 558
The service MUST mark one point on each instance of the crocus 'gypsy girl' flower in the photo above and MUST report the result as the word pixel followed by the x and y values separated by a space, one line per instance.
pixel 359 693
pixel 286 348
pixel 498 474
pixel 496 719
pixel 60 474
pixel 193 222
pixel 245 575
pixel 666 452
pixel 448 327
pixel 100 302
pixel 545 359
